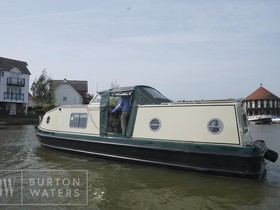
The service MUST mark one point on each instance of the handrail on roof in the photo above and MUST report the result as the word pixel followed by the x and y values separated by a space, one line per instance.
pixel 122 89
pixel 210 101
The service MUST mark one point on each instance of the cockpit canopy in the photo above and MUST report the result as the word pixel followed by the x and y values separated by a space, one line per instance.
pixel 141 95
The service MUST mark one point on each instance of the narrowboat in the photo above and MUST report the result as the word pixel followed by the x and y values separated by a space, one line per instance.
pixel 205 136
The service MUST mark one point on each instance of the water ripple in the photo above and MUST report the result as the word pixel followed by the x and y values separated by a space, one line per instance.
pixel 118 185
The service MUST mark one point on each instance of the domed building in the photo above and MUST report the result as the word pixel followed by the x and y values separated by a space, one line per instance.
pixel 262 105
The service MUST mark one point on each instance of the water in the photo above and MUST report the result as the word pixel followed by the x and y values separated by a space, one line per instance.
pixel 118 185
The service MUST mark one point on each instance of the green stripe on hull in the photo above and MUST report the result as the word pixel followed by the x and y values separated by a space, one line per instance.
pixel 174 145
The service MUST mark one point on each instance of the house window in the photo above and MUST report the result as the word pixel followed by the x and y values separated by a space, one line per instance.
pixel 78 120
pixel 256 104
pixel 64 98
pixel 262 104
pixel 267 103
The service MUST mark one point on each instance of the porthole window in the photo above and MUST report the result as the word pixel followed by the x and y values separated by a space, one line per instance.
pixel 215 126
pixel 48 120
pixel 155 124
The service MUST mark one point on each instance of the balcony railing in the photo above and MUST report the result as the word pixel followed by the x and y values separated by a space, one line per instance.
pixel 16 81
pixel 14 96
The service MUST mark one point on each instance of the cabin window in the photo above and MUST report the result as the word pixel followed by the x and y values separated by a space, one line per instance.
pixel 154 93
pixel 48 120
pixel 245 123
pixel 64 98
pixel 96 99
pixel 78 120
pixel 155 125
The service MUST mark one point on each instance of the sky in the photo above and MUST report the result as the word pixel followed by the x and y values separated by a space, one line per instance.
pixel 187 49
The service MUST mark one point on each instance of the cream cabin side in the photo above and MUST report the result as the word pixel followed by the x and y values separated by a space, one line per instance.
pixel 82 119
pixel 201 123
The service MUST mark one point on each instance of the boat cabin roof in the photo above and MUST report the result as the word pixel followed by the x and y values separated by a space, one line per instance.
pixel 118 90
pixel 141 94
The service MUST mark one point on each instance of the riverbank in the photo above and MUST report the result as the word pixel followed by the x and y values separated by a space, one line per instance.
pixel 19 120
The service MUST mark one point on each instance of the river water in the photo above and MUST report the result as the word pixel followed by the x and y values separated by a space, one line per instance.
pixel 119 185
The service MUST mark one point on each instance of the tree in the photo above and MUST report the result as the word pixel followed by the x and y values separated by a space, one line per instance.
pixel 43 92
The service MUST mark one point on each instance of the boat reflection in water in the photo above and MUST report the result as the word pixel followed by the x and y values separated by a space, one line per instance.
pixel 206 136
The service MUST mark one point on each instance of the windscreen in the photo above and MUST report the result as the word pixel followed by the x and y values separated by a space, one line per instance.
pixel 157 96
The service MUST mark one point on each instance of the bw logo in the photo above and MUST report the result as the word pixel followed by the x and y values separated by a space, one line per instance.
pixel 7 186
pixel 10 187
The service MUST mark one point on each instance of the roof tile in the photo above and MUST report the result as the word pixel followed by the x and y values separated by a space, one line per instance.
pixel 261 94
pixel 7 64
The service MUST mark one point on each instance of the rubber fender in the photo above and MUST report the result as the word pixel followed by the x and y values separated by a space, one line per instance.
pixel 271 155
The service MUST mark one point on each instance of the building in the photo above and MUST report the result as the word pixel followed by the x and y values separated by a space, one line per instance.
pixel 14 86
pixel 69 92
pixel 262 103
pixel 31 102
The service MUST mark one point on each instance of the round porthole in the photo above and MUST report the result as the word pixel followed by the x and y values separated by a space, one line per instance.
pixel 215 126
pixel 155 124
pixel 48 119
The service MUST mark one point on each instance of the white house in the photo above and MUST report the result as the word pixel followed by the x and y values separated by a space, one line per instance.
pixel 70 91
pixel 31 102
pixel 14 86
